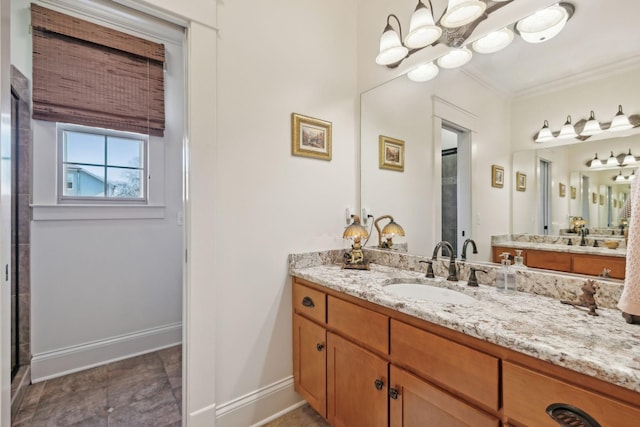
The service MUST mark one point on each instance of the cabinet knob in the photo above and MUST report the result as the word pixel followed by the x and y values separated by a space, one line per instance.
pixel 567 415
pixel 319 346
pixel 393 393
pixel 379 383
pixel 308 302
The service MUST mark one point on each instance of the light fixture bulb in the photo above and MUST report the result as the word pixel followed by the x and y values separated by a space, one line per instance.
pixel 620 177
pixel 592 127
pixel 544 134
pixel 612 160
pixel 595 162
pixel 567 130
pixel 423 72
pixel 632 176
pixel 462 12
pixel 544 24
pixel 620 121
pixel 494 41
pixel 422 28
pixel 629 159
pixel 391 49
pixel 455 58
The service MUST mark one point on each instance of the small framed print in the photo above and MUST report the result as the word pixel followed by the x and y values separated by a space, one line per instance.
pixel 563 190
pixel 615 203
pixel 574 192
pixel 602 199
pixel 594 198
pixel 521 181
pixel 391 155
pixel 310 137
pixel 497 176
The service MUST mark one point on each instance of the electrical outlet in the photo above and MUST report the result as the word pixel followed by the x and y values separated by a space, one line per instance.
pixel 365 216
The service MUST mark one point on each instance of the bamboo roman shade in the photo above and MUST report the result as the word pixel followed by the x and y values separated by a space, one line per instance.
pixel 87 74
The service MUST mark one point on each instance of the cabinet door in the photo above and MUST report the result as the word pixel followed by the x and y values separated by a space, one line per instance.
pixel 416 403
pixel 310 363
pixel 356 385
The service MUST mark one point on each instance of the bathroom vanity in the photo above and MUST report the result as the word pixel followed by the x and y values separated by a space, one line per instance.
pixel 364 357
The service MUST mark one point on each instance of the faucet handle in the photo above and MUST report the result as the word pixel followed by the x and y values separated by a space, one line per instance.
pixel 473 280
pixel 430 274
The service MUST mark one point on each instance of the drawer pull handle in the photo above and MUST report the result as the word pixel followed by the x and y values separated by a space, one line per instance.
pixel 393 393
pixel 567 415
pixel 379 384
pixel 319 346
pixel 308 302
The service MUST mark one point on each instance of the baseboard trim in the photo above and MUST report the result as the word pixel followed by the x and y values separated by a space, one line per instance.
pixel 72 359
pixel 260 406
pixel 205 417
pixel 280 414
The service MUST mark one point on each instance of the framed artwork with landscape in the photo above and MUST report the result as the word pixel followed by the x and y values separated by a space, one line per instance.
pixel 310 137
pixel 563 190
pixel 391 154
pixel 521 181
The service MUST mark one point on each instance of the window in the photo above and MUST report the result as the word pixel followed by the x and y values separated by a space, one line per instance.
pixel 101 165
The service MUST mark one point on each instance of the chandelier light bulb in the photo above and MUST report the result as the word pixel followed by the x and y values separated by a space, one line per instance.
pixel 423 72
pixel 544 24
pixel 391 48
pixel 612 160
pixel 629 159
pixel 592 127
pixel 567 131
pixel 462 12
pixel 620 121
pixel 455 58
pixel 545 134
pixel 595 162
pixel 494 41
pixel 422 28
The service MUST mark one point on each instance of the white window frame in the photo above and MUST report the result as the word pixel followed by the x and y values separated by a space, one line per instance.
pixel 61 128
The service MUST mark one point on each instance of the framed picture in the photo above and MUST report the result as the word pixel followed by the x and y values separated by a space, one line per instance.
pixel 594 198
pixel 602 199
pixel 563 190
pixel 310 137
pixel 615 203
pixel 521 181
pixel 497 176
pixel 573 192
pixel 391 153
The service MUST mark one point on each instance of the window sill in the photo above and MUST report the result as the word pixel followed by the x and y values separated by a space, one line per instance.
pixel 88 212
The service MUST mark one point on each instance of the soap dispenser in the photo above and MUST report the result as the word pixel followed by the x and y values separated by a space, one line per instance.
pixel 506 277
pixel 518 261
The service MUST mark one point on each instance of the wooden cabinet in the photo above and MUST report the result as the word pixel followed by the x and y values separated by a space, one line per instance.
pixel 569 262
pixel 416 403
pixel 310 362
pixel 528 394
pixel 356 385
pixel 362 325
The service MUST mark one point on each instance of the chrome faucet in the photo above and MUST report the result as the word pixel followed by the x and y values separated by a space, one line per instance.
pixel 453 273
pixel 464 248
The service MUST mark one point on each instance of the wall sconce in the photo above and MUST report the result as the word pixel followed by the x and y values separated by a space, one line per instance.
pixel 619 161
pixel 624 178
pixel 354 258
pixel 389 231
pixel 584 129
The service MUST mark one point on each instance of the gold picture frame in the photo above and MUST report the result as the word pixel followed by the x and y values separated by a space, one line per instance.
pixel 563 190
pixel 615 203
pixel 521 181
pixel 391 153
pixel 594 198
pixel 497 176
pixel 310 137
pixel 602 199
pixel 574 192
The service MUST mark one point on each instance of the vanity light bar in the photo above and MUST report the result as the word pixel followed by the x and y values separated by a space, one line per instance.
pixel 584 129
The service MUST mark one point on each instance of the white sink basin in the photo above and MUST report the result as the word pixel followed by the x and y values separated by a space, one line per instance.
pixel 429 293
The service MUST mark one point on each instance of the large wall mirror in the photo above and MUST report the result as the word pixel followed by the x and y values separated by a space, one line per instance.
pixel 486 114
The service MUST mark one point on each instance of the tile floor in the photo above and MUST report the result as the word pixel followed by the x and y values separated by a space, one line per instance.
pixel 141 391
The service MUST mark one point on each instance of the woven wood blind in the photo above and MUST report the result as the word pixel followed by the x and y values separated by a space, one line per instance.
pixel 87 74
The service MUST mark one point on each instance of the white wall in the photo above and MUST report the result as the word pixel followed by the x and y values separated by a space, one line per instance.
pixel 275 58
pixel 100 282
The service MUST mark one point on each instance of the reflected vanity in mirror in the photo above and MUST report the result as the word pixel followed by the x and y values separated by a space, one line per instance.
pixel 493 107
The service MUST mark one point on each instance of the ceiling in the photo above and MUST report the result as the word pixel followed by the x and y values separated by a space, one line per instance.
pixel 601 35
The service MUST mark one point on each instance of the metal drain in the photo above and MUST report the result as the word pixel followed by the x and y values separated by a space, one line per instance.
pixel 570 416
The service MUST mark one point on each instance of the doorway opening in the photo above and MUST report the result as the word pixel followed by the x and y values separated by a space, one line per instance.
pixel 456 186
pixel 545 196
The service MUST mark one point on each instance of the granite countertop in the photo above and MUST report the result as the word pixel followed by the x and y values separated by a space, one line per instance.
pixel 604 347
pixel 556 247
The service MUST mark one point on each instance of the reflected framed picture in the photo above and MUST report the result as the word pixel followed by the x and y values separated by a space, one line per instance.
pixel 521 181
pixel 594 198
pixel 310 137
pixel 563 190
pixel 615 203
pixel 497 176
pixel 574 192
pixel 602 199
pixel 391 154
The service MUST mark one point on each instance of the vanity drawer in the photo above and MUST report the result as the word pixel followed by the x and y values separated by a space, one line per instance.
pixel 450 365
pixel 366 326
pixel 559 261
pixel 310 302
pixel 594 264
pixel 527 394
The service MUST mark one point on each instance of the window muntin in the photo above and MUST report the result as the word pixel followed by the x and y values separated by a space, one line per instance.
pixel 101 165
